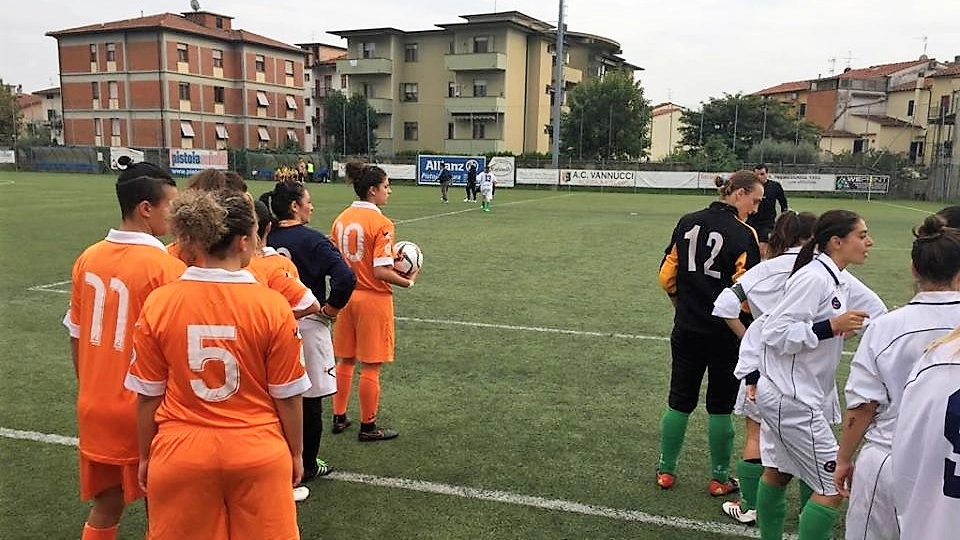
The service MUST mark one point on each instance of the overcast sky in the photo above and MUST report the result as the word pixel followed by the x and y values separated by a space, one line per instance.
pixel 690 49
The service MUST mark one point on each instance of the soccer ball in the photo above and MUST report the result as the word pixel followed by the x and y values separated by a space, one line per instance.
pixel 407 257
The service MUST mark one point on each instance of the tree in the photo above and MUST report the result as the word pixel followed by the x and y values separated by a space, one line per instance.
pixel 11 119
pixel 770 151
pixel 742 122
pixel 715 155
pixel 608 118
pixel 355 114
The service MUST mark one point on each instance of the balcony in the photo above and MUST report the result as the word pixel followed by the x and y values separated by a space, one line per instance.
pixel 474 146
pixel 365 66
pixel 941 115
pixel 381 105
pixel 572 75
pixel 467 105
pixel 475 61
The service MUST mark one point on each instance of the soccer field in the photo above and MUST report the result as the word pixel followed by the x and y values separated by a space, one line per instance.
pixel 531 373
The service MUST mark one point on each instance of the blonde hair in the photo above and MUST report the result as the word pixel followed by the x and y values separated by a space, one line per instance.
pixel 742 179
pixel 207 222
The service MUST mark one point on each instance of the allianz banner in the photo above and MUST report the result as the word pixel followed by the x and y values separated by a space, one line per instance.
pixel 429 167
pixel 186 162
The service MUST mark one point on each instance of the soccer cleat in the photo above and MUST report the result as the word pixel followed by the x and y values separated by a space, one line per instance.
pixel 300 493
pixel 323 469
pixel 340 427
pixel 665 480
pixel 466 200
pixel 378 434
pixel 732 509
pixel 719 489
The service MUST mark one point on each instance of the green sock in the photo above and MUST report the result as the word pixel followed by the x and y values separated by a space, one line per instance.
pixel 749 474
pixel 673 427
pixel 816 521
pixel 721 445
pixel 805 493
pixel 771 510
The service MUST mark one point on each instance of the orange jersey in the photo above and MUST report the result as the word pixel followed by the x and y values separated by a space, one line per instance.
pixel 278 273
pixel 176 249
pixel 365 238
pixel 219 347
pixel 110 283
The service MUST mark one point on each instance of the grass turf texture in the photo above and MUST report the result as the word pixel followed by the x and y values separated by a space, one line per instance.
pixel 559 416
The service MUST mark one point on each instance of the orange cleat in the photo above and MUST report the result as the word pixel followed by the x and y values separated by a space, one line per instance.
pixel 719 489
pixel 665 480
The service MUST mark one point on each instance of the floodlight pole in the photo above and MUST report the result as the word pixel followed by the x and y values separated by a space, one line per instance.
pixel 557 89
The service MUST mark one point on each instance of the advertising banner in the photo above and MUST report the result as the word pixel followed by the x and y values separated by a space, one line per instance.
pixel 429 167
pixel 8 156
pixel 136 156
pixel 862 183
pixel 186 162
pixel 504 168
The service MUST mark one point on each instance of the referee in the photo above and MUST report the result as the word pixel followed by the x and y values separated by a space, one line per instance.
pixel 762 221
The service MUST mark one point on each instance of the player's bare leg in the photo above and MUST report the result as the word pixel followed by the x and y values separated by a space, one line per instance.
pixel 104 516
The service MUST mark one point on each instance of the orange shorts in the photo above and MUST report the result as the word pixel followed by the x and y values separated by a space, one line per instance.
pixel 97 477
pixel 364 328
pixel 221 484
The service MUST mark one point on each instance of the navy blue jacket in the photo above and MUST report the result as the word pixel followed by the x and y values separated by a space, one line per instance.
pixel 316 258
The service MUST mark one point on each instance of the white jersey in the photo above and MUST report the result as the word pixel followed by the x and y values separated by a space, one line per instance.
pixel 801 354
pixel 888 352
pixel 486 180
pixel 761 286
pixel 926 447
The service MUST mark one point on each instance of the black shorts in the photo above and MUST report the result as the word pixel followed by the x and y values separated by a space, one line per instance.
pixel 695 353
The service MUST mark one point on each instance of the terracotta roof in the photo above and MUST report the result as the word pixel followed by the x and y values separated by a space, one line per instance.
pixel 886 121
pixel 333 60
pixel 54 90
pixel 665 108
pixel 839 134
pixel 912 85
pixel 882 70
pixel 172 21
pixel 951 70
pixel 28 100
pixel 784 88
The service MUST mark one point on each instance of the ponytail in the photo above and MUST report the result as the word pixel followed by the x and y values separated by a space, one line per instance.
pixel 831 223
pixel 805 255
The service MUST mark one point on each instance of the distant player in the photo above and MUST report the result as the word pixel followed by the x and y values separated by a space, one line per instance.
pixel 219 378
pixel 761 288
pixel 364 331
pixel 765 216
pixel 887 354
pixel 444 178
pixel 487 181
pixel 708 251
pixel 802 342
pixel 109 284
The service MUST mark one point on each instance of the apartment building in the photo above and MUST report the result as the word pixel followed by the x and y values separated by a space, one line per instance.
pixel 479 86
pixel 664 130
pixel 320 80
pixel 179 81
pixel 41 110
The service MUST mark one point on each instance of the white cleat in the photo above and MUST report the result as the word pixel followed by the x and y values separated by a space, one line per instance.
pixel 732 509
pixel 300 493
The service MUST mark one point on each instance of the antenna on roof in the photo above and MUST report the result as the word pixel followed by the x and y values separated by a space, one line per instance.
pixel 195 4
pixel 848 58
pixel 832 61
pixel 923 39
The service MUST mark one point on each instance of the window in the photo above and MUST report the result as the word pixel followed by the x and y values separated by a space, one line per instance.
pixel 95 88
pixel 343 81
pixel 222 134
pixel 98 127
pixel 451 130
pixel 368 50
pixel 217 58
pixel 263 134
pixel 261 64
pixel 328 82
pixel 288 67
pixel 410 51
pixel 182 54
pixel 93 54
pixel 306 102
pixel 481 44
pixel 184 91
pixel 292 135
pixel 307 130
pixel 859 146
pixel 111 52
pixel 291 103
pixel 306 76
pixel 478 130
pixel 453 90
pixel 801 111
pixel 218 94
pixel 367 90
pixel 262 100
pixel 451 47
pixel 410 92
pixel 186 128
pixel 910 108
pixel 219 22
pixel 115 127
pixel 479 88
pixel 411 131
pixel 113 90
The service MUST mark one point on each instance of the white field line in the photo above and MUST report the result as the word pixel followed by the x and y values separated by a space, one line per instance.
pixel 7 182
pixel 479 494
pixel 915 209
pixel 51 287
pixel 476 207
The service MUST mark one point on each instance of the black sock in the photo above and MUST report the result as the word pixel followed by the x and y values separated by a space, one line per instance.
pixel 339 418
pixel 368 427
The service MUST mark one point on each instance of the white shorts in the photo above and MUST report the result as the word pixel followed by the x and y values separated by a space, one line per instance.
pixel 871 514
pixel 746 407
pixel 318 356
pixel 796 439
pixel 487 193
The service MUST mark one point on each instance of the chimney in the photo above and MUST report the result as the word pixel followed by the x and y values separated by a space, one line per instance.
pixel 209 20
pixel 956 59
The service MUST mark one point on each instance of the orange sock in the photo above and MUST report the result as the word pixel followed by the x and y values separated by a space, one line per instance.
pixel 344 382
pixel 89 533
pixel 369 390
